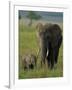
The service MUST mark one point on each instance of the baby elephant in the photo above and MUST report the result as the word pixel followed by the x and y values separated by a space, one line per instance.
pixel 29 61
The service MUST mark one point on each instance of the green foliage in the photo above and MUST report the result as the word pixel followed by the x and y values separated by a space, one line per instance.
pixel 33 15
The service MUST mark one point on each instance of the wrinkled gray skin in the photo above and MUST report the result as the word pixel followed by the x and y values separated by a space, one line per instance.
pixel 29 61
pixel 50 38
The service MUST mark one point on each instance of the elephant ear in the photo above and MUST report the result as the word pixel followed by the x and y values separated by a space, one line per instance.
pixel 56 40
pixel 56 35
pixel 40 30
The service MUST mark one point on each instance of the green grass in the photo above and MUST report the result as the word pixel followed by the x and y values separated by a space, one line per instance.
pixel 28 44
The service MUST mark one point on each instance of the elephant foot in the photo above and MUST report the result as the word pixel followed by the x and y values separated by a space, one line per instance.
pixel 55 62
pixel 49 65
pixel 52 67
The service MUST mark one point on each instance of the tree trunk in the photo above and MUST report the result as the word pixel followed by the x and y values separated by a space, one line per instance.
pixel 30 22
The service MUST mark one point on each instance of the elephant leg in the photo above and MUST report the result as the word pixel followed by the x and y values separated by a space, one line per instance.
pixel 52 58
pixel 57 50
pixel 56 53
pixel 49 59
pixel 43 55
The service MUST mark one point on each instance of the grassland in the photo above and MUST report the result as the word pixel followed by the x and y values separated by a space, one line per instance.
pixel 28 44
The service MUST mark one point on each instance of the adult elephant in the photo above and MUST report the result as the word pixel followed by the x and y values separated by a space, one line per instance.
pixel 50 37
